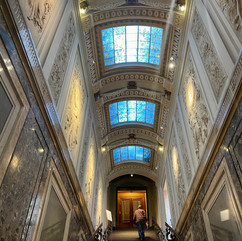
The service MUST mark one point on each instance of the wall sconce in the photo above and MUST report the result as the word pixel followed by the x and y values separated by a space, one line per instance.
pixel 83 7
pixel 172 63
pixel 161 148
pixel 103 148
pixel 181 5
pixel 182 8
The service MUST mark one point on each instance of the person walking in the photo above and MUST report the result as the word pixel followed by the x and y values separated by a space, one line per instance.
pixel 139 219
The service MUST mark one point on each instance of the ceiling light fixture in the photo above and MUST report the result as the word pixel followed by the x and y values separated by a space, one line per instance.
pixel 83 7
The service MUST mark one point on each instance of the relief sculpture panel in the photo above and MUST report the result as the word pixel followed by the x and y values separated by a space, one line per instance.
pixel 209 56
pixel 199 119
pixel 232 10
pixel 59 67
pixel 74 108
pixel 177 172
pixel 171 199
pixel 183 147
pixel 90 172
pixel 37 14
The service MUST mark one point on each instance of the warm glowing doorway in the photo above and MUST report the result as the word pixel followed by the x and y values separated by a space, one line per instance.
pixel 128 202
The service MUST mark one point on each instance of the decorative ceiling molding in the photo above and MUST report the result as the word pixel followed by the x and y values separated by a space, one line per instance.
pixel 131 168
pixel 133 76
pixel 137 93
pixel 92 25
pixel 160 15
pixel 150 136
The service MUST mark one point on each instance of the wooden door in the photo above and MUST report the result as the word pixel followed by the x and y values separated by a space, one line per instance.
pixel 128 202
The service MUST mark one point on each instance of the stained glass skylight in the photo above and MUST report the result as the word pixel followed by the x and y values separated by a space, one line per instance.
pixel 133 43
pixel 131 153
pixel 132 111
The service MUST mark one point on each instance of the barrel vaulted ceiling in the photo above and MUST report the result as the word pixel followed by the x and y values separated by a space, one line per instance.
pixel 132 80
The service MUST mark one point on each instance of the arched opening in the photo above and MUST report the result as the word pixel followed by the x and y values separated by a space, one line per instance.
pixel 125 193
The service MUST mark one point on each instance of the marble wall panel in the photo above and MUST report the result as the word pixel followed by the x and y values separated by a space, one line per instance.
pixel 22 189
pixel 19 181
pixel 5 107
pixel 232 139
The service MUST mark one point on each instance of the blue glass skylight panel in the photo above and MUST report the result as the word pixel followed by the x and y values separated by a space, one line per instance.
pixel 132 44
pixel 141 111
pixel 124 153
pixel 132 111
pixel 139 153
pixel 116 155
pixel 131 153
pixel 113 111
pixel 131 150
pixel 147 154
pixel 150 110
pixel 122 111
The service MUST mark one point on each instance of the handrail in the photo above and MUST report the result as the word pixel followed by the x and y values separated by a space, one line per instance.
pixel 99 235
pixel 168 235
pixel 171 234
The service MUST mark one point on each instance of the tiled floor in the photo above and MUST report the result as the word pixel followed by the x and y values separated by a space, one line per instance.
pixel 131 235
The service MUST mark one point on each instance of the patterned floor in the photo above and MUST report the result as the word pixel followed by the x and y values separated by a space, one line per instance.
pixel 131 235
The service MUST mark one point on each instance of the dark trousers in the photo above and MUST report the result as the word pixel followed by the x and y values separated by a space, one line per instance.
pixel 141 229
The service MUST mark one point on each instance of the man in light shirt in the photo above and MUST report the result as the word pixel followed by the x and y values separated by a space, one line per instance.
pixel 139 219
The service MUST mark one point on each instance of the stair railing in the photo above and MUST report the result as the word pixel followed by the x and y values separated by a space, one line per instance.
pixel 168 235
pixel 99 235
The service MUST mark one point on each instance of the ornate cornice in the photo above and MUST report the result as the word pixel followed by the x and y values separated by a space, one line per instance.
pixel 132 169
pixel 127 93
pixel 151 136
pixel 133 76
pixel 138 12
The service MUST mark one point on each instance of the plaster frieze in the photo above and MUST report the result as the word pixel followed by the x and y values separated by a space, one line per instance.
pixel 57 74
pixel 209 56
pixel 233 12
pixel 183 147
pixel 130 168
pixel 199 119
pixel 133 76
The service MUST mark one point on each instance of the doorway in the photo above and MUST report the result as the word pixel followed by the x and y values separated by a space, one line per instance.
pixel 127 203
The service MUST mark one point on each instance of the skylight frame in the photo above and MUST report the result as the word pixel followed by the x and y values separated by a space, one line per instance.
pixel 140 159
pixel 148 63
pixel 145 114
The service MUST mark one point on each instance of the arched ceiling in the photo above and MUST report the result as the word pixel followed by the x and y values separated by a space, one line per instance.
pixel 132 81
